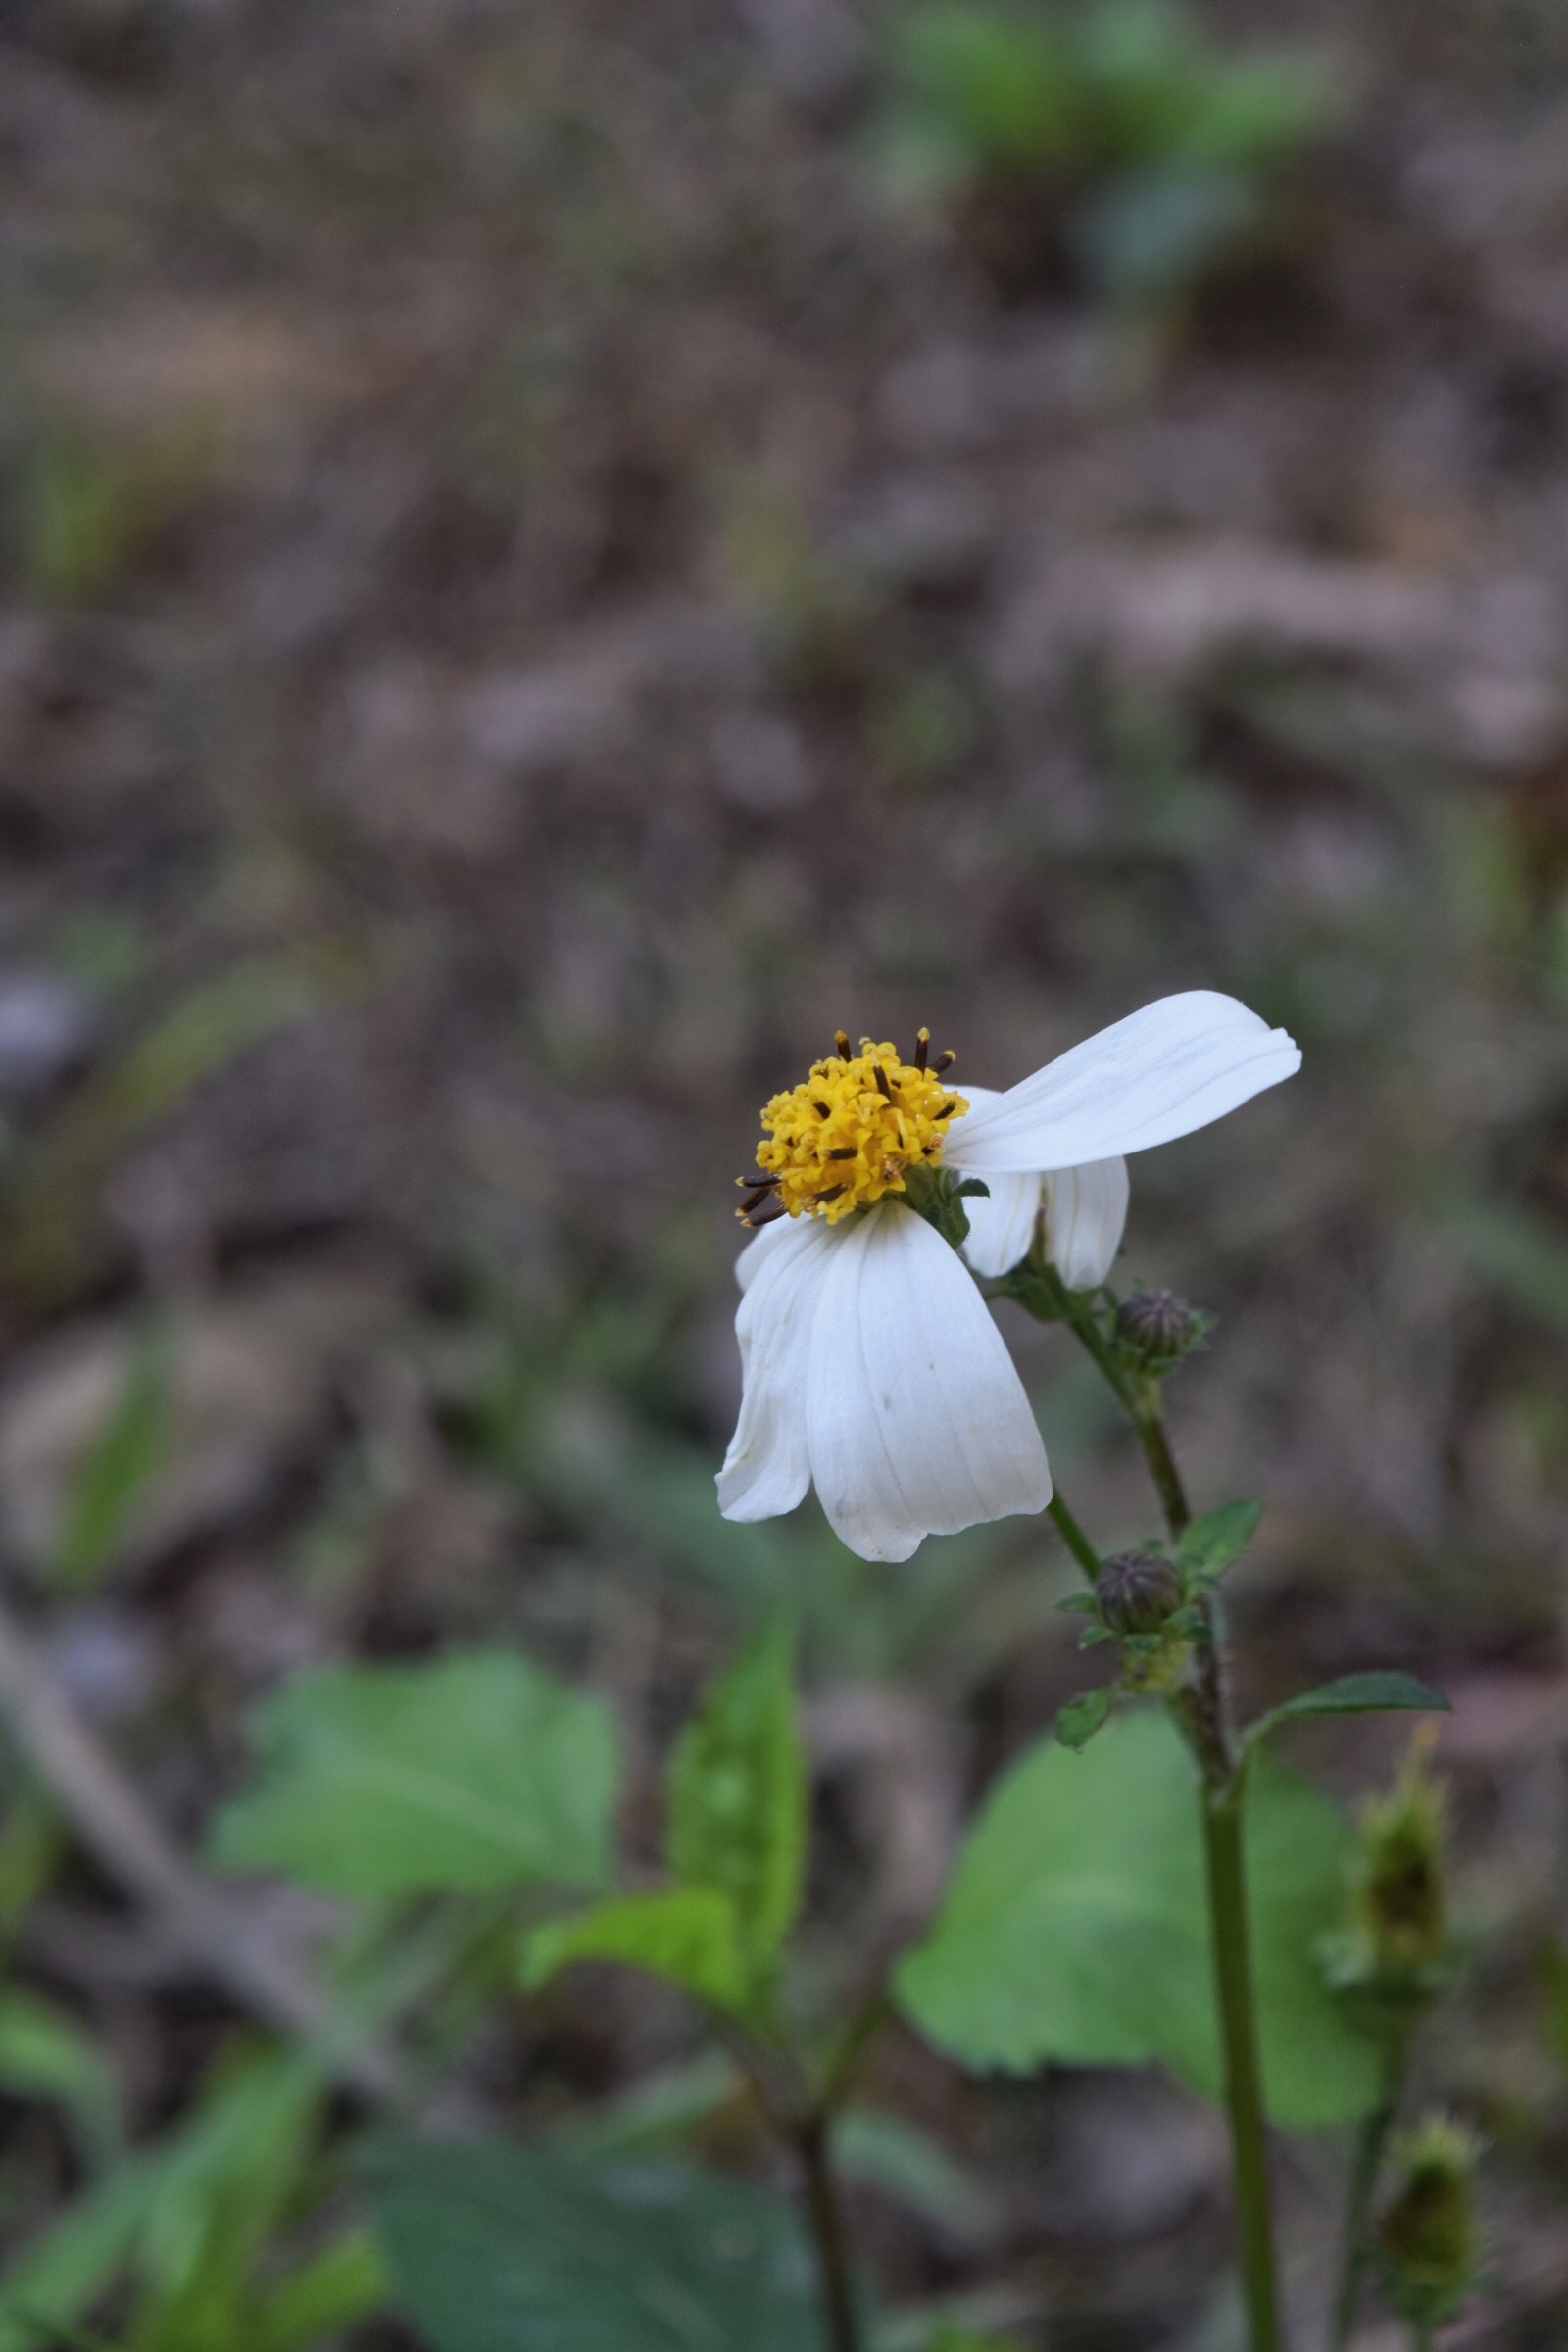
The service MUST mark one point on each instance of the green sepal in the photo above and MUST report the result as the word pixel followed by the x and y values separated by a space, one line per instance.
pixel 1093 1634
pixel 935 1194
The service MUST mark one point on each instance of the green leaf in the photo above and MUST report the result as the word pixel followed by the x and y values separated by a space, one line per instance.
pixel 499 2248
pixel 1082 1717
pixel 44 2054
pixel 1359 1694
pixel 341 2284
pixel 738 1794
pixel 1219 1537
pixel 688 1936
pixel 476 1773
pixel 1076 1928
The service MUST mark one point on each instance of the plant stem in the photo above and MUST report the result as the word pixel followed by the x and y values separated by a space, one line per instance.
pixel 1202 1715
pixel 1243 2089
pixel 1149 1423
pixel 1072 1535
pixel 1369 2147
pixel 825 2216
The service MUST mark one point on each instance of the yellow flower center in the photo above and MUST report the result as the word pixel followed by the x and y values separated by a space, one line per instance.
pixel 846 1137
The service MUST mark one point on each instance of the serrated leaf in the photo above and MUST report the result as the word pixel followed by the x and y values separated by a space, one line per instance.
pixel 1212 1542
pixel 1383 1690
pixel 1076 1927
pixel 738 1794
pixel 1082 1717
pixel 498 2248
pixel 688 1936
pixel 479 1772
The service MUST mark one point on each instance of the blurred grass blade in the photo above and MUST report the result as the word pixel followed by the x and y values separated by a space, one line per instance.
pixel 44 2054
pixel 121 1464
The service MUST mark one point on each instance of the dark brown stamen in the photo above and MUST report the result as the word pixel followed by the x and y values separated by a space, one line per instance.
pixel 947 1111
pixel 753 1199
pixel 922 1046
pixel 835 1192
pixel 757 1184
pixel 841 1040
pixel 821 1108
pixel 845 1151
pixel 765 1216
pixel 881 1077
pixel 945 1061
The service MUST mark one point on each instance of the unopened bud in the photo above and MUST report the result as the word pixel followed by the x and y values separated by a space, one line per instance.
pixel 1427 2234
pixel 1399 1894
pixel 1138 1592
pixel 1157 1327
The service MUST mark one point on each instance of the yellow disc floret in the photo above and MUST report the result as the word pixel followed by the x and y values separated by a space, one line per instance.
pixel 846 1136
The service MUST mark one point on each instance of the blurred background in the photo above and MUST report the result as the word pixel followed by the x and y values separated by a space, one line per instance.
pixel 556 554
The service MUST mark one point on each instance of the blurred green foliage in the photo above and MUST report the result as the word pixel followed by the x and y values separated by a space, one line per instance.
pixel 493 2246
pixel 469 1773
pixel 1157 145
pixel 120 1466
pixel 736 1847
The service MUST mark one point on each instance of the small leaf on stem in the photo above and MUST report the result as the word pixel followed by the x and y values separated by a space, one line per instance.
pixel 1082 1717
pixel 1218 1538
pixel 1360 1695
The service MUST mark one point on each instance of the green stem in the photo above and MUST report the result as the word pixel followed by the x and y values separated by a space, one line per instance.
pixel 1369 2147
pixel 1243 2089
pixel 829 2234
pixel 856 2038
pixel 1202 1715
pixel 1149 1423
pixel 1072 1535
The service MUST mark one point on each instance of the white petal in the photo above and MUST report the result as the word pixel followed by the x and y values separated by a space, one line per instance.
pixel 1002 1228
pixel 768 1468
pixel 755 1257
pixel 1163 1071
pixel 917 1422
pixel 1086 1210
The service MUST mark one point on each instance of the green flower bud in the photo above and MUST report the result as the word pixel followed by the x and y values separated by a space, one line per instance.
pixel 1138 1592
pixel 1429 2237
pixel 1157 1329
pixel 1402 1914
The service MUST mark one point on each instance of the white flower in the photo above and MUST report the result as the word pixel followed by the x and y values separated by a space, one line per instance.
pixel 870 1364
pixel 1086 1210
